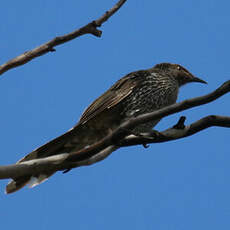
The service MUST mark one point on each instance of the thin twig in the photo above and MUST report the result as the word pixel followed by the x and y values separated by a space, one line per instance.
pixel 90 28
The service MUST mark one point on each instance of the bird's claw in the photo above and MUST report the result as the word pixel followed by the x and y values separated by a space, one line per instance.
pixel 145 145
pixel 66 170
pixel 153 134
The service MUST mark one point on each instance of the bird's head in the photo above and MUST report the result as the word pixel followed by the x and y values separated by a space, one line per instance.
pixel 182 75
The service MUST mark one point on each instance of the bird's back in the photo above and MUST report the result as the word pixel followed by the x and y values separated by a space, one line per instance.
pixel 135 94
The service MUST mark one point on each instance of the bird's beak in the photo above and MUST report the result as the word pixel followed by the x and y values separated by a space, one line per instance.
pixel 196 79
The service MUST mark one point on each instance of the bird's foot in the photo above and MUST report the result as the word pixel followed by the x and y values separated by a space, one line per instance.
pixel 152 135
pixel 145 145
pixel 180 124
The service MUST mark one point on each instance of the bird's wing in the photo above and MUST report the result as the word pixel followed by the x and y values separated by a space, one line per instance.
pixel 110 98
pixel 118 92
pixel 49 148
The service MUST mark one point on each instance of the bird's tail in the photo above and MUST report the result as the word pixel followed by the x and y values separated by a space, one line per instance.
pixel 18 183
pixel 52 148
pixel 73 140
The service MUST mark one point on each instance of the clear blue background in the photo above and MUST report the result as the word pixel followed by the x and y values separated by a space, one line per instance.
pixel 179 185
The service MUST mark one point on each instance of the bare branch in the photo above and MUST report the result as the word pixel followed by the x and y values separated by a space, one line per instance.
pixel 121 137
pixel 174 133
pixel 53 163
pixel 90 28
pixel 109 13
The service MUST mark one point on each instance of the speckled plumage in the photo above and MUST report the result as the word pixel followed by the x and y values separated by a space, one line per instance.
pixel 137 93
pixel 154 91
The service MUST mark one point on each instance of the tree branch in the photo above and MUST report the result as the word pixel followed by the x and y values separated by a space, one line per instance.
pixel 121 137
pixel 90 28
pixel 174 133
pixel 53 163
pixel 121 132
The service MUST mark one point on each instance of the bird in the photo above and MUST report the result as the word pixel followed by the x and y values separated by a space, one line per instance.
pixel 136 93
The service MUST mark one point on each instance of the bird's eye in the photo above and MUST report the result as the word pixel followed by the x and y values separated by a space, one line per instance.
pixel 178 67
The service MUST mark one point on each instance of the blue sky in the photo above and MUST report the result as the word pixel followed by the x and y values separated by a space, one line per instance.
pixel 176 185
